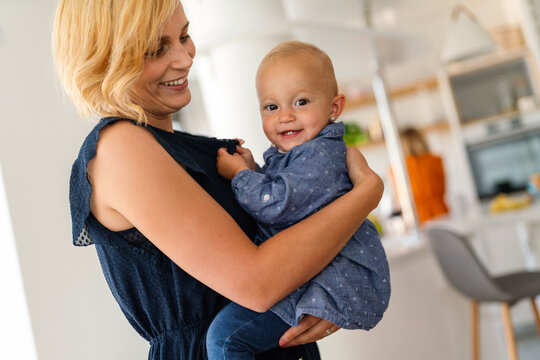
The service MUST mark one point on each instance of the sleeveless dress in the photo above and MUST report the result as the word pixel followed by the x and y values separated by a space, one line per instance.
pixel 165 305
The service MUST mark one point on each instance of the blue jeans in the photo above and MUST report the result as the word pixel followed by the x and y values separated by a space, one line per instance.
pixel 237 333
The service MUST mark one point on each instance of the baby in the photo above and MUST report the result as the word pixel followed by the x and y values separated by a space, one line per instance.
pixel 304 170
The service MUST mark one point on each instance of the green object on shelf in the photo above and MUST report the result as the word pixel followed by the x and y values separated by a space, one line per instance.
pixel 375 220
pixel 354 134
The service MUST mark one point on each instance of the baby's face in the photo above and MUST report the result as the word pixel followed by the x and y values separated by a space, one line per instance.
pixel 295 103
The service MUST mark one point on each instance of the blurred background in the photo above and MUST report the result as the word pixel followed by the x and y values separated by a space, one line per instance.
pixel 462 75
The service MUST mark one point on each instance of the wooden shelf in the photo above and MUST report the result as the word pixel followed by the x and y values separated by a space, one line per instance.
pixel 402 91
pixel 498 117
pixel 481 63
pixel 438 126
pixel 491 119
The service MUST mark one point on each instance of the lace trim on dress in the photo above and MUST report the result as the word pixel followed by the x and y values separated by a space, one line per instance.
pixel 84 238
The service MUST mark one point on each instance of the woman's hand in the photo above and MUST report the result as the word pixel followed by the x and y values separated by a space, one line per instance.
pixel 357 165
pixel 309 329
pixel 361 174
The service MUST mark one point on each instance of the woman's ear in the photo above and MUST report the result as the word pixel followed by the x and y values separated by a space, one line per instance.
pixel 338 104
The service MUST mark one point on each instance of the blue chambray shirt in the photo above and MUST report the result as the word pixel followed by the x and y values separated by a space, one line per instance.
pixel 354 289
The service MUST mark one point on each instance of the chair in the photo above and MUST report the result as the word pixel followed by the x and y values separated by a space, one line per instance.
pixel 466 273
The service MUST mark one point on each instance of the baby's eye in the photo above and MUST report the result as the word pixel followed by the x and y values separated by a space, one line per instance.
pixel 271 107
pixel 301 102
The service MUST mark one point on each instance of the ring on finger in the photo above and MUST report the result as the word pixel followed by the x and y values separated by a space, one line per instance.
pixel 328 332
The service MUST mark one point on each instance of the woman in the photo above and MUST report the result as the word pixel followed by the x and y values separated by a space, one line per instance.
pixel 172 242
pixel 426 174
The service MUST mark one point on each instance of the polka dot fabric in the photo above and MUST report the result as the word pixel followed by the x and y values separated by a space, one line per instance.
pixel 354 289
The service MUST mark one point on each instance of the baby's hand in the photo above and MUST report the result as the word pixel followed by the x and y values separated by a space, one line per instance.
pixel 245 153
pixel 229 165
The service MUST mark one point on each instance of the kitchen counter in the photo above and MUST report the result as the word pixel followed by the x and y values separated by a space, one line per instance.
pixel 518 228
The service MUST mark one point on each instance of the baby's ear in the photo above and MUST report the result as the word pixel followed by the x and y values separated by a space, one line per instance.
pixel 338 104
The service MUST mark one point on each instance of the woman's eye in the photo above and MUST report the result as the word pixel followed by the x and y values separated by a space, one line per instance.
pixel 301 102
pixel 270 107
pixel 159 51
pixel 156 53
pixel 184 38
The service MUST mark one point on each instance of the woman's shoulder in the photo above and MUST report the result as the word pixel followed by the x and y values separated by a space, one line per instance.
pixel 106 141
pixel 119 128
pixel 118 140
pixel 112 128
pixel 123 135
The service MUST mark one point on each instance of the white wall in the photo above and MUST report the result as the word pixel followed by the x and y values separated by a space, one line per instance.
pixel 72 311
pixel 228 54
pixel 16 338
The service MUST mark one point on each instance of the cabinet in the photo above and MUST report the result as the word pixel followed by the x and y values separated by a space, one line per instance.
pixel 492 106
pixel 492 86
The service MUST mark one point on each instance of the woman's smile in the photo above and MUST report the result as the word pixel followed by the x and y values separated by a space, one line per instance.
pixel 176 85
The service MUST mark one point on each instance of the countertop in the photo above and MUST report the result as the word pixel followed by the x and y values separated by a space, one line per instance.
pixel 405 246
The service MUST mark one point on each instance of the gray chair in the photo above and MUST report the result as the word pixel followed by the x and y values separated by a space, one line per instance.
pixel 466 273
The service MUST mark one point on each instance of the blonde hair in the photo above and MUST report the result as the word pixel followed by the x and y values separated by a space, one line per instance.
pixel 413 142
pixel 295 48
pixel 99 48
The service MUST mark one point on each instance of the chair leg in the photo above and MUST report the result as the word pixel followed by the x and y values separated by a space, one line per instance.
pixel 475 348
pixel 509 332
pixel 536 316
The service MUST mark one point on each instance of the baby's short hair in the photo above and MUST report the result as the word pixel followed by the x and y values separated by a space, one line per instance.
pixel 294 48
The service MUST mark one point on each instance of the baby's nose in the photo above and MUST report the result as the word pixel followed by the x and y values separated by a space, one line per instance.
pixel 286 115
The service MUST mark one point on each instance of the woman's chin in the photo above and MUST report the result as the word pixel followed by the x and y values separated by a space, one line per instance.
pixel 178 104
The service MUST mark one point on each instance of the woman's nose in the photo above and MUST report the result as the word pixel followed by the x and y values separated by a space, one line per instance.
pixel 182 58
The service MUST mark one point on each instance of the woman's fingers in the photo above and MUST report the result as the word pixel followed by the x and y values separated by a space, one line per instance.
pixel 293 332
pixel 310 329
pixel 319 331
pixel 361 174
pixel 313 334
pixel 356 164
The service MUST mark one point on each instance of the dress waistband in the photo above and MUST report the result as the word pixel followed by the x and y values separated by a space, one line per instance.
pixel 196 330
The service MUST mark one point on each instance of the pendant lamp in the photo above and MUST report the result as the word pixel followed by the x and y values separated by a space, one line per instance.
pixel 465 37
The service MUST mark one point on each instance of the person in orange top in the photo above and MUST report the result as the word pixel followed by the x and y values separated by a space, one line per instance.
pixel 426 175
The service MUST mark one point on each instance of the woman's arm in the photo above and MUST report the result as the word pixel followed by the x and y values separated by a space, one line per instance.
pixel 135 181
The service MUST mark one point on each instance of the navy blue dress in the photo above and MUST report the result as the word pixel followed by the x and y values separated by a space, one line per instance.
pixel 165 305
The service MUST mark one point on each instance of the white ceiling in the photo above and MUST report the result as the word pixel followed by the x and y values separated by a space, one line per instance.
pixel 409 33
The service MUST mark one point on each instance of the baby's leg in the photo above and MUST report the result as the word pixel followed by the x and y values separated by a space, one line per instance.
pixel 237 333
